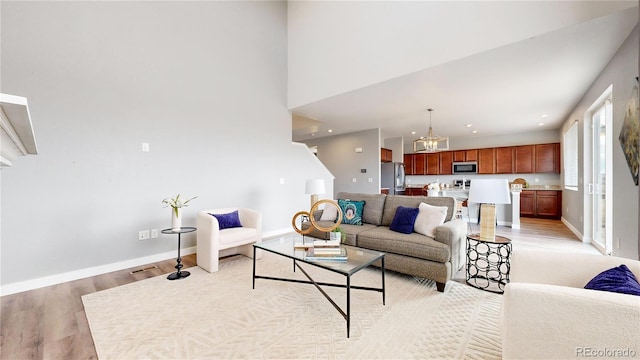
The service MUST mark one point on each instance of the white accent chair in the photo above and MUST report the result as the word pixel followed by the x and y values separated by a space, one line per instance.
pixel 547 313
pixel 213 243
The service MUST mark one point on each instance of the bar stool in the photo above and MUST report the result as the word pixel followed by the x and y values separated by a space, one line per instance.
pixel 460 203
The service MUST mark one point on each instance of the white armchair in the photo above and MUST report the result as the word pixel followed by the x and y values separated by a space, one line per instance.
pixel 213 243
pixel 547 313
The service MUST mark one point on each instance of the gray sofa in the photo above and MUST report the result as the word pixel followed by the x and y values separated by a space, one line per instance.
pixel 413 254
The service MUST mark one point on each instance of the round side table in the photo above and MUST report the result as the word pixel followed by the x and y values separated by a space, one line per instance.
pixel 178 274
pixel 488 262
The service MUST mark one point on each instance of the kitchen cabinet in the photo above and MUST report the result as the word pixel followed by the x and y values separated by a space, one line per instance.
pixel 433 164
pixel 415 191
pixel 524 159
pixel 459 155
pixel 446 163
pixel 504 160
pixel 408 164
pixel 420 164
pixel 465 155
pixel 386 155
pixel 486 161
pixel 528 203
pixel 546 158
pixel 541 203
pixel 471 155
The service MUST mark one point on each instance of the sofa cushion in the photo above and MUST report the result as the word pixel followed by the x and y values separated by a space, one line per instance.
pixel 393 201
pixel 428 218
pixel 374 204
pixel 618 279
pixel 329 212
pixel 415 245
pixel 404 219
pixel 351 211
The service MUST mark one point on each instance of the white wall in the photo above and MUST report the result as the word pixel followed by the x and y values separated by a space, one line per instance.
pixel 204 83
pixel 339 156
pixel 621 72
pixel 360 43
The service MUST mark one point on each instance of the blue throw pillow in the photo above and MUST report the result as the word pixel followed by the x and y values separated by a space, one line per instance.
pixel 404 219
pixel 226 221
pixel 351 211
pixel 618 279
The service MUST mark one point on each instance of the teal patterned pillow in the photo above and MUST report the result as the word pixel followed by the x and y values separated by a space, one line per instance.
pixel 351 211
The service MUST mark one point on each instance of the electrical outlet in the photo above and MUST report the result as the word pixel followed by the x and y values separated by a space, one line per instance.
pixel 154 233
pixel 354 179
pixel 143 235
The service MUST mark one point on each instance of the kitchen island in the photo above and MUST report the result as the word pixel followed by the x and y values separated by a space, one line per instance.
pixel 506 214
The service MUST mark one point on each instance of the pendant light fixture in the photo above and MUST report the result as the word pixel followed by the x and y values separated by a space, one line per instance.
pixel 430 143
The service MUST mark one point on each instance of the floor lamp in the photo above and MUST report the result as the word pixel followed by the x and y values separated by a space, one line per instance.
pixel 314 187
pixel 487 193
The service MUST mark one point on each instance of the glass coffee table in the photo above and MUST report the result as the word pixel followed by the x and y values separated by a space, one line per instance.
pixel 357 259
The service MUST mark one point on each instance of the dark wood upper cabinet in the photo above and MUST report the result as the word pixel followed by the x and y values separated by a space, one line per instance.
pixel 471 155
pixel 446 162
pixel 386 155
pixel 459 155
pixel 433 164
pixel 504 160
pixel 524 159
pixel 420 164
pixel 486 161
pixel 408 164
pixel 545 155
pixel 558 159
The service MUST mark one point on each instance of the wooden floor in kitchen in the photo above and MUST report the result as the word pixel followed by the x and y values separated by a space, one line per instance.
pixel 50 323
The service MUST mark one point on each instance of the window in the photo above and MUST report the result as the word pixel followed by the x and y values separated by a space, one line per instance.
pixel 570 152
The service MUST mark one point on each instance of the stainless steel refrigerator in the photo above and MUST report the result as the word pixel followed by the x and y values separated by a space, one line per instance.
pixel 392 177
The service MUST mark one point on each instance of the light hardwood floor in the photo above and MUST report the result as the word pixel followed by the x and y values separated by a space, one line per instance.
pixel 50 323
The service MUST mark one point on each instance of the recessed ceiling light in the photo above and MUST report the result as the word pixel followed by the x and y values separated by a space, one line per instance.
pixel 469 125
pixel 329 130
pixel 544 115
pixel 413 133
pixel 474 131
pixel 540 123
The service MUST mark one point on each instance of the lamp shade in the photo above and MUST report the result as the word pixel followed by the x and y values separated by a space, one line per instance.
pixel 314 186
pixel 489 191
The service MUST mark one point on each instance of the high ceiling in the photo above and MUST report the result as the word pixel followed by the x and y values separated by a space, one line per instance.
pixel 500 91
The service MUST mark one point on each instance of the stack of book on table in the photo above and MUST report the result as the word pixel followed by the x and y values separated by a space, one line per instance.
pixel 326 250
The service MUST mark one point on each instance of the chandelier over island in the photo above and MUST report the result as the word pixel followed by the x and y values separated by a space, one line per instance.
pixel 430 143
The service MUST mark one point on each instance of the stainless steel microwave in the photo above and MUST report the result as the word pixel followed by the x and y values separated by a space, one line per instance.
pixel 467 167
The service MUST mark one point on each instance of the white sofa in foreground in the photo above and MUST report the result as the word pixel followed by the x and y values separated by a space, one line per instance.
pixel 547 313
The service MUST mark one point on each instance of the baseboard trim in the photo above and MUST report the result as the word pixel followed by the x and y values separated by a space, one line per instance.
pixel 575 231
pixel 45 281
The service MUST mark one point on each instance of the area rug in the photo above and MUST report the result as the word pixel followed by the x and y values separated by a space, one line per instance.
pixel 220 316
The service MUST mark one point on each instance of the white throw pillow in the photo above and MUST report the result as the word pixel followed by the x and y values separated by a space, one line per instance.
pixel 429 217
pixel 329 212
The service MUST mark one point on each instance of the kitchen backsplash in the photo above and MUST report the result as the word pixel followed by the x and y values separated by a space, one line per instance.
pixel 553 181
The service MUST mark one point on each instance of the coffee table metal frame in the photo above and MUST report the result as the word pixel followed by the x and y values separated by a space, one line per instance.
pixel 358 259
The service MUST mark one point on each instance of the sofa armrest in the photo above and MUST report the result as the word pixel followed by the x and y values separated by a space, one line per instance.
pixel 556 268
pixel 540 321
pixel 453 233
